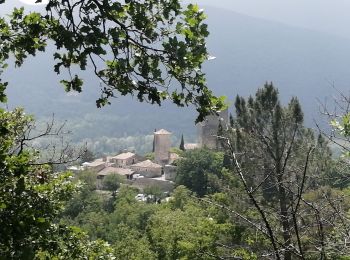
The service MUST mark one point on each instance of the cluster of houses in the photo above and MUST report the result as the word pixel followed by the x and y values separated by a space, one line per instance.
pixel 132 166
pixel 137 168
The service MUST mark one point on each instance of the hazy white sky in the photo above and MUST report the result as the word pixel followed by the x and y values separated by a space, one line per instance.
pixel 331 16
pixel 33 2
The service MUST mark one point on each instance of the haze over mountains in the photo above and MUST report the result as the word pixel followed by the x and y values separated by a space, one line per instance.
pixel 329 16
pixel 249 51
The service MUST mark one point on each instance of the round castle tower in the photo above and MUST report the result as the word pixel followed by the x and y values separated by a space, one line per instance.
pixel 162 144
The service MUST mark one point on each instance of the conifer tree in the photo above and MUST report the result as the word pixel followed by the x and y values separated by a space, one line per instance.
pixel 182 143
pixel 154 142
pixel 273 149
pixel 231 120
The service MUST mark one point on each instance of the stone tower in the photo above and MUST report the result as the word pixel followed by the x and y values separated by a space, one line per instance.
pixel 162 144
pixel 208 129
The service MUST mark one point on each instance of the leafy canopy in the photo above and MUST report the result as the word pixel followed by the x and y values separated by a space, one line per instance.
pixel 197 170
pixel 32 197
pixel 153 50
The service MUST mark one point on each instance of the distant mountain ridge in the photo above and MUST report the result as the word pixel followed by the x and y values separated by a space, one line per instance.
pixel 300 62
pixel 249 52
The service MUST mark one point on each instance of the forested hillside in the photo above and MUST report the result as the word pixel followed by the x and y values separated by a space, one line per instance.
pixel 263 182
pixel 272 190
pixel 248 52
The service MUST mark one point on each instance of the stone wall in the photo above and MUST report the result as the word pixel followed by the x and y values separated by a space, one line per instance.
pixel 143 183
pixel 170 172
pixel 208 129
pixel 148 172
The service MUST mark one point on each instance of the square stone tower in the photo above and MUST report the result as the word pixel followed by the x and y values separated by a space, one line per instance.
pixel 208 129
pixel 162 145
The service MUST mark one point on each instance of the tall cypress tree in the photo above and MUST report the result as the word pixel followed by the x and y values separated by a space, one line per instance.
pixel 182 143
pixel 154 141
pixel 232 121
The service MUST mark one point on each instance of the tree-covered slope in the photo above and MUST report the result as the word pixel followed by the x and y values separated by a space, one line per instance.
pixel 248 52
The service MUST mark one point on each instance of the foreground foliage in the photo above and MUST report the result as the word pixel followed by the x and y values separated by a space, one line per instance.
pixel 179 229
pixel 153 50
pixel 246 202
pixel 284 169
pixel 31 198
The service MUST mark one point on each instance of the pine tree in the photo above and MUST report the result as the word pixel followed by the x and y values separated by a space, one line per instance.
pixel 272 146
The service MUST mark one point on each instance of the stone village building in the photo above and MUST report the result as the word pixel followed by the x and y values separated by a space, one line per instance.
pixel 124 159
pixel 132 166
pixel 148 169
